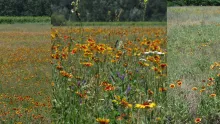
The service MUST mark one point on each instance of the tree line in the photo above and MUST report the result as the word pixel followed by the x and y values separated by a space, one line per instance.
pixel 193 2
pixel 25 7
pixel 110 10
pixel 89 10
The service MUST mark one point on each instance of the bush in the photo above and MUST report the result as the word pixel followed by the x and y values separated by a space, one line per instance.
pixel 58 20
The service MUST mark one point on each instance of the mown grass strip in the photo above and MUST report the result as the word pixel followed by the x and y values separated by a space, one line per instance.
pixel 24 19
pixel 117 23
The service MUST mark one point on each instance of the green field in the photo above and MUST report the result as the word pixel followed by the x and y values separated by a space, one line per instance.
pixel 193 46
pixel 25 92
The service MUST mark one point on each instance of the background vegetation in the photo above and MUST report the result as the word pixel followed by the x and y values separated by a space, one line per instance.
pixel 25 7
pixel 193 2
pixel 109 10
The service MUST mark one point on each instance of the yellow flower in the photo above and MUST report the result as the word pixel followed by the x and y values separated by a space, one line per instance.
pixel 88 64
pixel 115 101
pixel 158 119
pixel 52 84
pixel 145 105
pixel 139 106
pixel 194 88
pixel 102 120
pixel 129 105
pixel 202 90
pixel 152 105
pixel 146 64
pixel 18 123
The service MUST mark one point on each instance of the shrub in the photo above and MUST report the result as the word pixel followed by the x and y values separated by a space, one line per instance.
pixel 58 19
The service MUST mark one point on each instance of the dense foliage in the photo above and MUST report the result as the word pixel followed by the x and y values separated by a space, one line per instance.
pixel 25 7
pixel 193 2
pixel 111 10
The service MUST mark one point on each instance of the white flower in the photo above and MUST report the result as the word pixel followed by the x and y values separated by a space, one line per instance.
pixel 154 52
pixel 72 11
pixel 146 53
pixel 143 59
pixel 72 3
pixel 69 79
pixel 160 53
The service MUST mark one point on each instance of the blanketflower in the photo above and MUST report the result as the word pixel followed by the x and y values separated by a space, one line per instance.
pixel 88 64
pixel 172 85
pixel 179 82
pixel 146 105
pixel 123 102
pixel 212 95
pixel 194 88
pixel 198 120
pixel 103 120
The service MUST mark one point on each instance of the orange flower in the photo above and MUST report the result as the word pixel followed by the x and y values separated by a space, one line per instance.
pixel 212 95
pixel 125 64
pixel 103 120
pixel 211 79
pixel 150 92
pixel 210 84
pixel 179 82
pixel 202 90
pixel 164 65
pixel 125 103
pixel 59 67
pixel 82 95
pixel 172 85
pixel 90 40
pixel 122 116
pixel 122 102
pixel 162 89
pixel 104 83
pixel 52 84
pixel 198 120
pixel 88 64
pixel 109 88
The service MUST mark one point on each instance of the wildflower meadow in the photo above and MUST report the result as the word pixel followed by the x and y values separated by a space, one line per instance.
pixel 109 74
pixel 25 90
